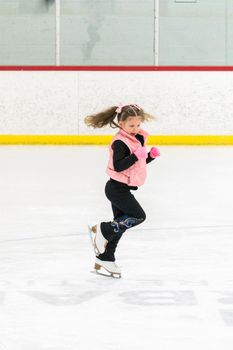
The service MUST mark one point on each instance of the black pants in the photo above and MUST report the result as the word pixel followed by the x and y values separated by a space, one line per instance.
pixel 127 213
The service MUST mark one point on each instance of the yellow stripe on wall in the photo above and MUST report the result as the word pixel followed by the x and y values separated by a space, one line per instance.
pixel 106 139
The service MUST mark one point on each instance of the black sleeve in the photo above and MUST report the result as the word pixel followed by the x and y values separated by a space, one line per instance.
pixel 122 159
pixel 149 158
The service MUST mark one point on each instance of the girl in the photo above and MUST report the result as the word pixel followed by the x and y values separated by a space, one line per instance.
pixel 127 170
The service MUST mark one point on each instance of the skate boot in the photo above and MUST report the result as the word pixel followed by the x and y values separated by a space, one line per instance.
pixel 109 266
pixel 98 240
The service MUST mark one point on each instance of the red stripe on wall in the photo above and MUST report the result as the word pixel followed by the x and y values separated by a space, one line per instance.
pixel 116 68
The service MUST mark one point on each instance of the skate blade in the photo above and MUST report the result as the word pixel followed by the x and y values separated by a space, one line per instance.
pixel 112 275
pixel 91 234
pixel 98 270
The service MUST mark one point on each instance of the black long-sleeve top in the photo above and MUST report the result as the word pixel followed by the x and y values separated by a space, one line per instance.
pixel 122 159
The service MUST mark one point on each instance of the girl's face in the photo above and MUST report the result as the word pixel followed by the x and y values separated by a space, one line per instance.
pixel 131 125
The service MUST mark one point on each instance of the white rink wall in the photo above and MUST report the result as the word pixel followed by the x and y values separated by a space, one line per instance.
pixel 56 102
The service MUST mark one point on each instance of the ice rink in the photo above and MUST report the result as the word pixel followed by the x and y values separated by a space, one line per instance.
pixel 176 290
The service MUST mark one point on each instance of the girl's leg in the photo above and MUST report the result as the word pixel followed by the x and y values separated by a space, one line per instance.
pixel 108 255
pixel 128 213
pixel 116 212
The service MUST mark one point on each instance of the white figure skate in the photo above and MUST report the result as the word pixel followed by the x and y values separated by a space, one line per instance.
pixel 110 267
pixel 98 241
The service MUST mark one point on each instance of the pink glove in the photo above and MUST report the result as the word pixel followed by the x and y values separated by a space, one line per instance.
pixel 141 152
pixel 154 152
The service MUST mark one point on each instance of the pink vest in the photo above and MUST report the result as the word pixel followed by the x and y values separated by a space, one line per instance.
pixel 136 174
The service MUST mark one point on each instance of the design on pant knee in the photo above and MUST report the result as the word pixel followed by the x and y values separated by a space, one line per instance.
pixel 125 222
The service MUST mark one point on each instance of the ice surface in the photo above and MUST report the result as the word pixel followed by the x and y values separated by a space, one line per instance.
pixel 176 290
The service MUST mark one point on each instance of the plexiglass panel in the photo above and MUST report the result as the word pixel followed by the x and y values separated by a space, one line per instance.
pixel 229 33
pixel 107 32
pixel 116 32
pixel 192 33
pixel 27 32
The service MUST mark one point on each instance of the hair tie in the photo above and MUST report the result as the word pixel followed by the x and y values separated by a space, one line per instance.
pixel 137 106
pixel 119 108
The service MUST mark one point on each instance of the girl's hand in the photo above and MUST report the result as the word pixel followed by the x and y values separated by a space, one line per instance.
pixel 141 152
pixel 154 152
